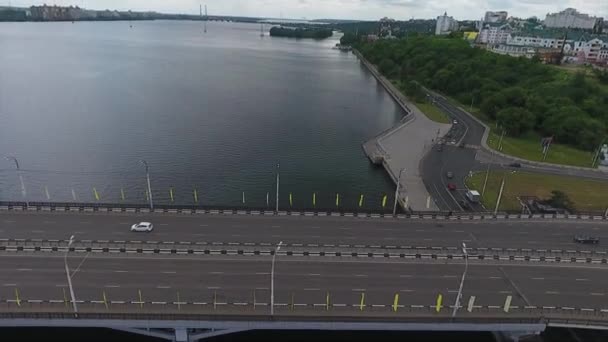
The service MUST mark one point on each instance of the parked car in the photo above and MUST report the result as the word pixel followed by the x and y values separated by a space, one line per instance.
pixel 586 239
pixel 449 174
pixel 451 186
pixel 142 227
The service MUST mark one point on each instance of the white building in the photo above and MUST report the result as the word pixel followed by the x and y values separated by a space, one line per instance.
pixel 445 25
pixel 514 50
pixel 495 17
pixel 571 18
pixel 494 34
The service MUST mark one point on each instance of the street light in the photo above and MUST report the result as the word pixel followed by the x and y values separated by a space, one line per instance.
pixel 23 193
pixel 145 164
pixel 272 278
pixel 67 273
pixel 502 187
pixel 464 274
pixel 277 197
pixel 397 192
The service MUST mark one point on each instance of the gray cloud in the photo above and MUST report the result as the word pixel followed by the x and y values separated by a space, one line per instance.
pixel 353 9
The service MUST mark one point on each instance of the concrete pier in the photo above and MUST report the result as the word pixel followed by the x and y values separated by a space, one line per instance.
pixel 403 146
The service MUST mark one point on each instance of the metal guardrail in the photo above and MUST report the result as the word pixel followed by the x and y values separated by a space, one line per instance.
pixel 191 209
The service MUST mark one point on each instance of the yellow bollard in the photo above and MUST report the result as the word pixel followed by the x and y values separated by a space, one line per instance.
pixel 195 196
pixel 122 194
pixel 290 200
pixel 18 300
pixel 396 302
pixel 65 297
pixel 337 200
pixel 327 301
pixel 105 300
pixel 141 302
pixel 362 303
pixel 361 201
pixel 384 201
pixel 314 200
pixel 171 193
pixel 438 304
pixel 96 194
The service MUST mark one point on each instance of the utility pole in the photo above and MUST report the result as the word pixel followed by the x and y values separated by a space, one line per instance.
pixel 23 192
pixel 464 274
pixel 502 186
pixel 277 196
pixel 145 164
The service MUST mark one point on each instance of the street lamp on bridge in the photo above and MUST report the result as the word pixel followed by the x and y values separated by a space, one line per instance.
pixel 397 191
pixel 23 192
pixel 272 278
pixel 464 274
pixel 145 164
pixel 67 273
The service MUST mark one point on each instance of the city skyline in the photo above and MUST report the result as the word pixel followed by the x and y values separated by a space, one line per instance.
pixel 340 9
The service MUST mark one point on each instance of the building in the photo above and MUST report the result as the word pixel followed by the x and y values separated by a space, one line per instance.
pixel 445 24
pixel 571 18
pixel 495 17
pixel 493 34
pixel 514 50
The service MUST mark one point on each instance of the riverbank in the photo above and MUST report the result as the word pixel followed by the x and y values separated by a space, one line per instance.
pixel 403 146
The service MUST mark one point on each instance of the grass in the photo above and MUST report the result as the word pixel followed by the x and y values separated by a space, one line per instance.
pixel 529 148
pixel 432 112
pixel 587 195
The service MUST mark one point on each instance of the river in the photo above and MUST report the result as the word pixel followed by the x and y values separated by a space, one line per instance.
pixel 82 103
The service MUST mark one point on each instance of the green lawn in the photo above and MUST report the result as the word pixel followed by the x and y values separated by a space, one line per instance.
pixel 432 112
pixel 529 148
pixel 587 195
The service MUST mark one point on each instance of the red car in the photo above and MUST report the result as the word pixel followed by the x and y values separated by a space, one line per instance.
pixel 451 186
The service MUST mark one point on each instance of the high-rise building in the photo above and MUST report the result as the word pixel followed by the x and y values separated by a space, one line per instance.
pixel 571 18
pixel 495 17
pixel 445 24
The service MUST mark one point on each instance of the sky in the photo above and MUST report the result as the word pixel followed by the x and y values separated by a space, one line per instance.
pixel 341 9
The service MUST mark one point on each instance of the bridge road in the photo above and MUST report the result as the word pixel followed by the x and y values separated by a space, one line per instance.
pixel 305 231
pixel 232 281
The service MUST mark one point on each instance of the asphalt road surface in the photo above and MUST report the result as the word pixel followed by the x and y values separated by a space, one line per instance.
pixel 291 230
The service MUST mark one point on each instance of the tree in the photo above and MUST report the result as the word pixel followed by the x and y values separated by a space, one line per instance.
pixel 349 38
pixel 559 199
pixel 516 120
pixel 388 67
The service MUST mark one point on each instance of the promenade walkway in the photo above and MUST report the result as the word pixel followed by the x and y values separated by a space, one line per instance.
pixel 403 146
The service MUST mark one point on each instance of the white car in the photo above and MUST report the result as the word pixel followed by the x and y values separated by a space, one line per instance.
pixel 142 227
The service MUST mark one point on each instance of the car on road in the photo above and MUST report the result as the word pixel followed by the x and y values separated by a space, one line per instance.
pixel 142 227
pixel 586 239
pixel 451 186
pixel 449 174
pixel 518 165
pixel 455 122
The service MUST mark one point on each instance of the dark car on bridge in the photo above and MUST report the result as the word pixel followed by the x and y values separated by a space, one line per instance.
pixel 586 239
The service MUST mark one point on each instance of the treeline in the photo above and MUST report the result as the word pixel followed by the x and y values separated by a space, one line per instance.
pixel 522 95
pixel 300 32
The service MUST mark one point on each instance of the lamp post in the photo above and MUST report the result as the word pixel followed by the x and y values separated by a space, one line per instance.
pixel 277 196
pixel 502 187
pixel 145 164
pixel 272 278
pixel 67 273
pixel 397 192
pixel 23 192
pixel 464 274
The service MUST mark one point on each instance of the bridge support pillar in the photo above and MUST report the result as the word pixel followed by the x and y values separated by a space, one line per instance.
pixel 181 335
pixel 513 336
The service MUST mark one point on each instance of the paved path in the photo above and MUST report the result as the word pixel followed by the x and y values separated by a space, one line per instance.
pixel 404 146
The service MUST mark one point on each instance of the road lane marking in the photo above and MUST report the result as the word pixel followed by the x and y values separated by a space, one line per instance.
pixel 48 222
pixel 262 273
pixel 203 225
pixel 7 285
pixel 360 275
pixel 405 276
pixel 168 272
pixel 24 269
pixel 216 272
pixel 358 290
pixel 163 287
pixel 37 231
pixel 61 285
pixel 314 274
pixel 262 288
pixel 112 286
pixel 538 278
pixel 9 221
pixel 552 292
pixel 213 287
pixel 495 278
pixel 406 290
pixel 596 294
pixel 582 279
pixel 121 271
pixel 84 222
pixel 312 289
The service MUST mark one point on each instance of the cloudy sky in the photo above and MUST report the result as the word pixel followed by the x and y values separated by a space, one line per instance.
pixel 343 9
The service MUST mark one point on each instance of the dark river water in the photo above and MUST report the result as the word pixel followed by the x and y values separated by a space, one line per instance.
pixel 81 104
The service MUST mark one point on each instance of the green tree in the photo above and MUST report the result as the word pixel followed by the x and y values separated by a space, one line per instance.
pixel 388 67
pixel 516 120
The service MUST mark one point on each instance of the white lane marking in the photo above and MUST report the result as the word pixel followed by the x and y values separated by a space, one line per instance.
pixel 505 292
pixel 405 276
pixel 360 275
pixel 61 285
pixel 213 287
pixel 312 289
pixel 9 221
pixel 582 279
pixel 596 294
pixel 552 292
pixel 84 222
pixel 314 274
pixel 121 271
pixel 203 225
pixel 168 272
pixel 9 285
pixel 262 273
pixel 163 287
pixel 406 290
pixel 112 286
pixel 24 269
pixel 262 288
pixel 48 222
pixel 449 276
pixel 37 231
pixel 216 272
pixel 538 278
pixel 495 278
pixel 358 290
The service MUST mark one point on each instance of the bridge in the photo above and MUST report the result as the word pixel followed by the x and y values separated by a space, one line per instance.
pixel 210 272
